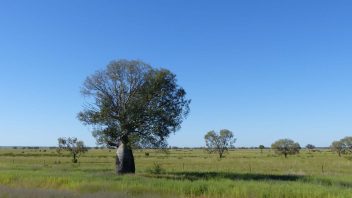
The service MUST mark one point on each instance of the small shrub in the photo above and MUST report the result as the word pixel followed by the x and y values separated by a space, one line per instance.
pixel 156 169
pixel 146 154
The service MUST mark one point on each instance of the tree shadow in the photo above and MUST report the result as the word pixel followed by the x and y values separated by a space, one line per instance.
pixel 193 176
pixel 232 176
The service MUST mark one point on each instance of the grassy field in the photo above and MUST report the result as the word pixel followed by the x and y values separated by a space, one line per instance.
pixel 183 173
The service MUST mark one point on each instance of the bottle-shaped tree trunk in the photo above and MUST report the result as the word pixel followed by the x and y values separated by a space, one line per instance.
pixel 124 159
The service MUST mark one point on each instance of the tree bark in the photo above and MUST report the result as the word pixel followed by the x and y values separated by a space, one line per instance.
pixel 124 159
pixel 74 158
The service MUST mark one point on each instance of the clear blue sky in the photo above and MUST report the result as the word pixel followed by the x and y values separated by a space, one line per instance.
pixel 263 69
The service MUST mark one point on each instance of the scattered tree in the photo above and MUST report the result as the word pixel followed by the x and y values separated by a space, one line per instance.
pixel 310 147
pixel 134 104
pixel 286 147
pixel 74 146
pixel 346 145
pixel 261 147
pixel 336 146
pixel 343 146
pixel 219 143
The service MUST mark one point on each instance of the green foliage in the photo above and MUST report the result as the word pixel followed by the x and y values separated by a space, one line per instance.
pixel 219 143
pixel 310 147
pixel 286 147
pixel 134 103
pixel 196 174
pixel 261 147
pixel 156 169
pixel 73 145
pixel 336 146
pixel 343 146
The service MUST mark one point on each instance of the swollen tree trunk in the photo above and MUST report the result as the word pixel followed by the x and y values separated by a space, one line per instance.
pixel 124 159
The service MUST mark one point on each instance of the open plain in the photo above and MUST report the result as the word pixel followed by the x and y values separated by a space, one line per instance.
pixel 177 173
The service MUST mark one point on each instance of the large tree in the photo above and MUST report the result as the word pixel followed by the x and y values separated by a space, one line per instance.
pixel 133 104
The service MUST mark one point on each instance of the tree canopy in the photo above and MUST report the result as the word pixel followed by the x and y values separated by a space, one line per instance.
pixel 261 147
pixel 343 146
pixel 219 143
pixel 73 145
pixel 133 104
pixel 286 147
pixel 310 147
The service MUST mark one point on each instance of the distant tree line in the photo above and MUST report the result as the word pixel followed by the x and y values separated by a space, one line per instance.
pixel 221 142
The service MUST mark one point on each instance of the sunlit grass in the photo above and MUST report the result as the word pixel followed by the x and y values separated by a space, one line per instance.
pixel 188 173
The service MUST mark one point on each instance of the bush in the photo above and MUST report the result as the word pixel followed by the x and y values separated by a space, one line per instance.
pixel 156 169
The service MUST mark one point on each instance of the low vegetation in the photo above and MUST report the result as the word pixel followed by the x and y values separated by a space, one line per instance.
pixel 177 173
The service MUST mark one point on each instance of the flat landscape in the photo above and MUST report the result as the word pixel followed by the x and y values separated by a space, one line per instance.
pixel 177 173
